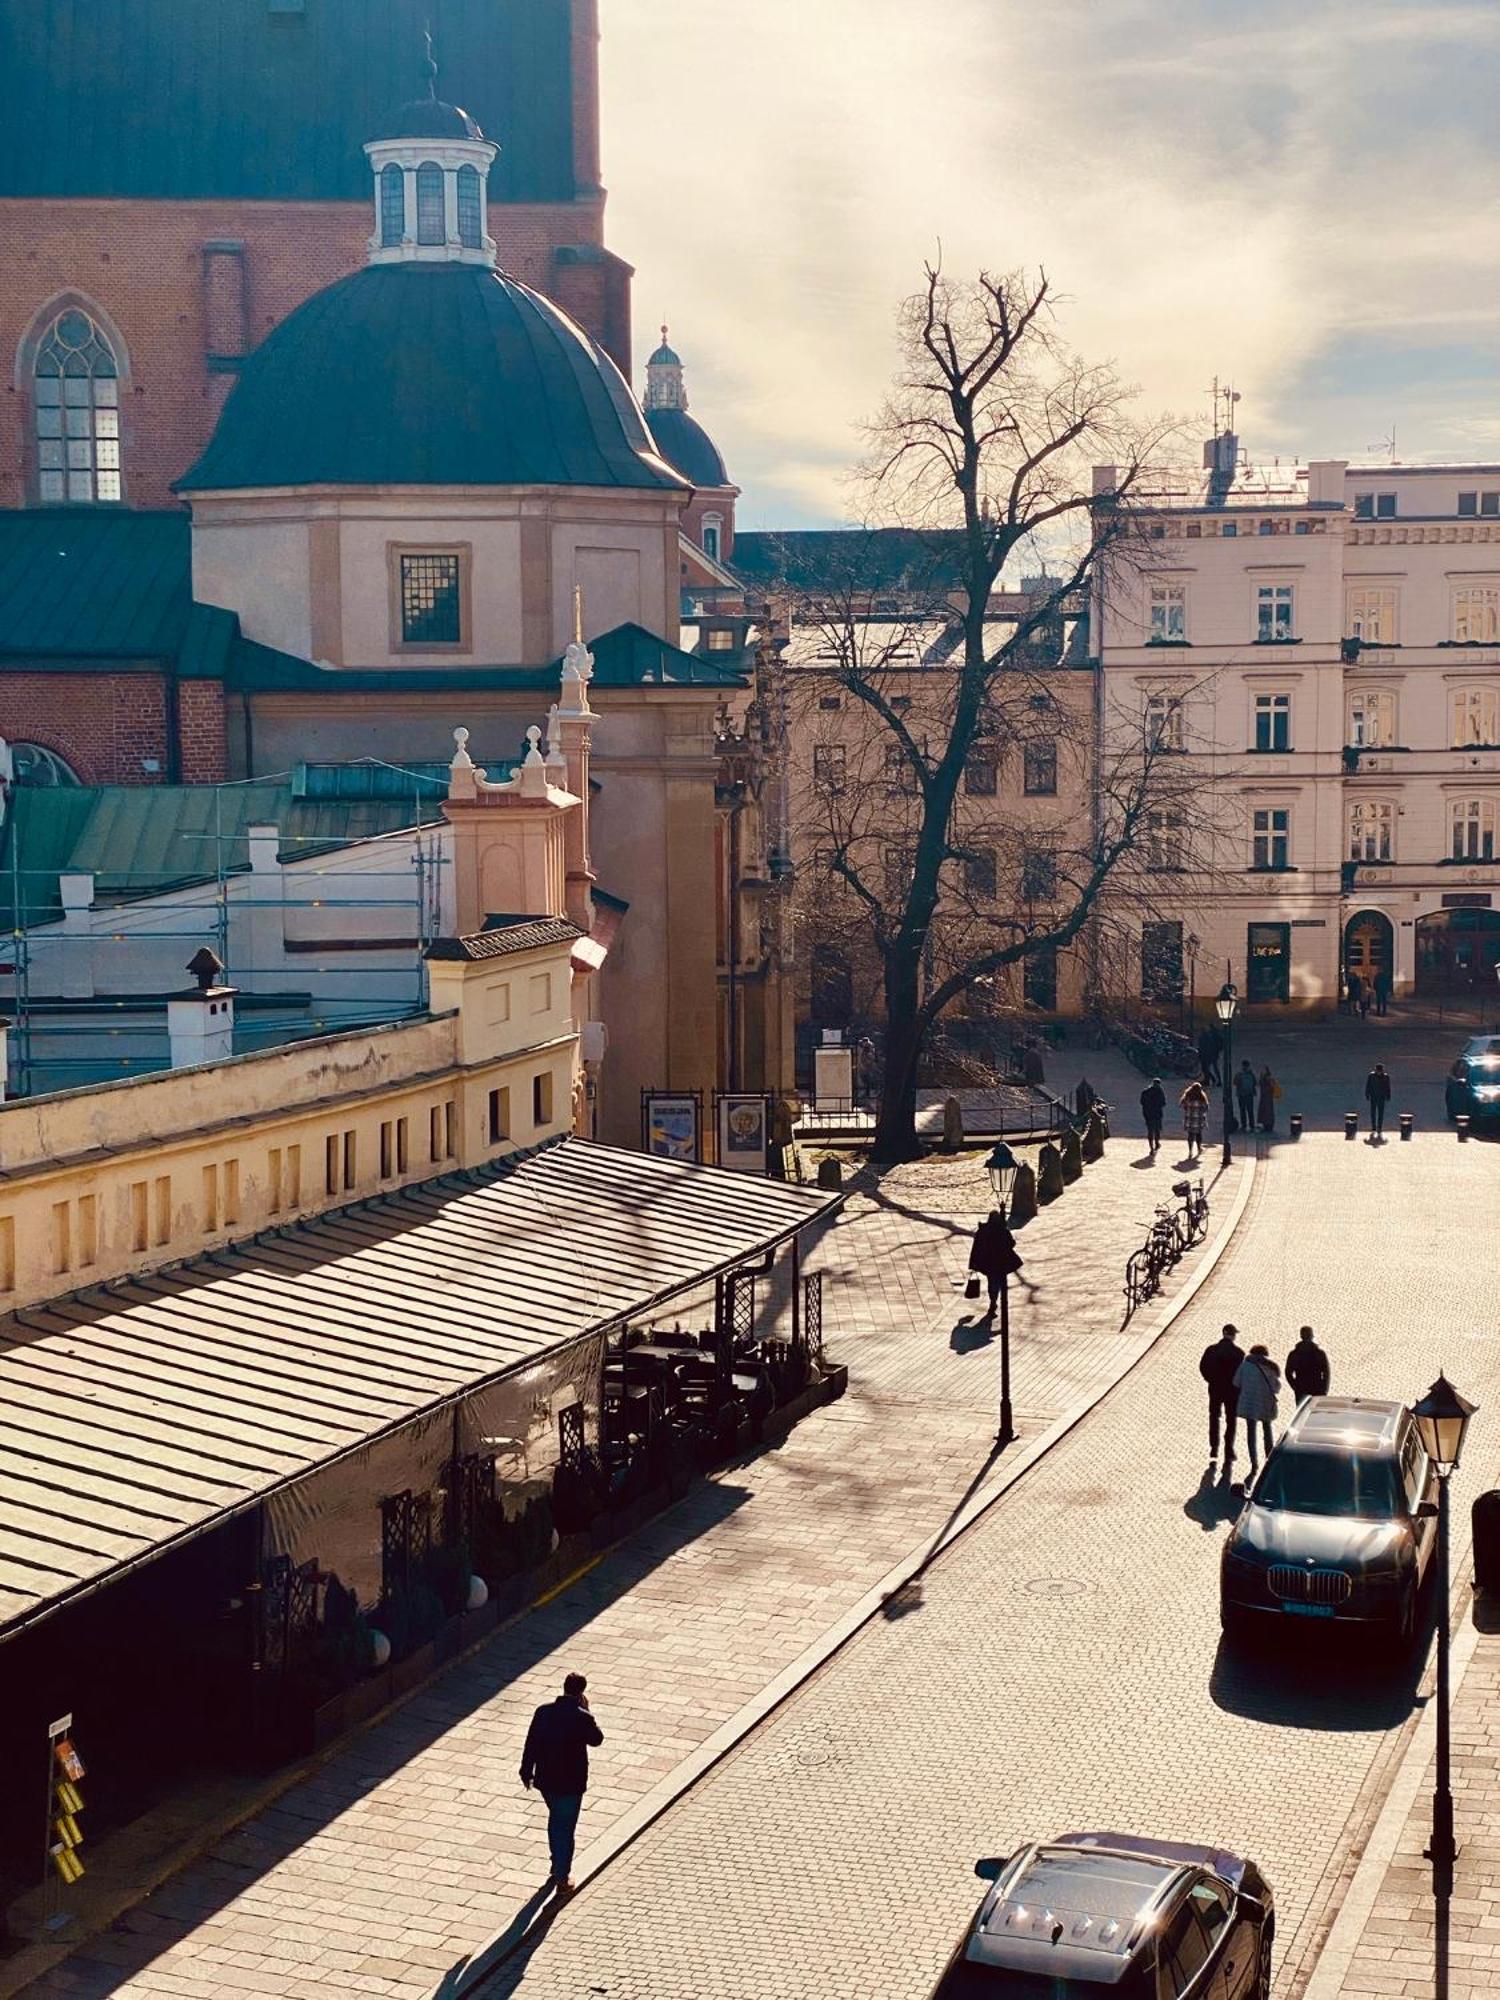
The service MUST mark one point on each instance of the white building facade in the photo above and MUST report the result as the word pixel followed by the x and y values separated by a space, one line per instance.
pixel 1324 643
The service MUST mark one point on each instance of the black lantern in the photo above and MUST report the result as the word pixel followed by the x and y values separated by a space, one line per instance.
pixel 1001 1168
pixel 1225 1005
pixel 1443 1420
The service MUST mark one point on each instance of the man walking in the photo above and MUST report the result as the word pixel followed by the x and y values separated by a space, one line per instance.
pixel 1382 983
pixel 1377 1096
pixel 1245 1088
pixel 556 1761
pixel 1218 1367
pixel 992 1254
pixel 1307 1371
pixel 1153 1110
pixel 1210 1044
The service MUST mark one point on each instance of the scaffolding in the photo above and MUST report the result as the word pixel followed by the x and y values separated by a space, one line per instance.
pixel 329 934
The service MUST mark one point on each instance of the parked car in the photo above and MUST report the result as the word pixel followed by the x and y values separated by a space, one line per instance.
pixel 1473 1086
pixel 1094 1913
pixel 1340 1526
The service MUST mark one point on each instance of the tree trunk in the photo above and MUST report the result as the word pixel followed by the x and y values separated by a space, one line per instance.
pixel 896 1118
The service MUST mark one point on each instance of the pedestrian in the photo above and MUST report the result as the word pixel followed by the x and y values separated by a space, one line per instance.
pixel 1210 1043
pixel 1153 1110
pixel 1270 1090
pixel 1365 996
pixel 1377 1096
pixel 1244 1094
pixel 992 1255
pixel 1257 1385
pixel 1354 988
pixel 1382 985
pixel 1194 1102
pixel 1219 1366
pixel 1307 1372
pixel 556 1761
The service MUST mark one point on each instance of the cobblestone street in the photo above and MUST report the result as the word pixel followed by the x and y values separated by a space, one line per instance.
pixel 1059 1665
pixel 413 1843
pixel 1064 1668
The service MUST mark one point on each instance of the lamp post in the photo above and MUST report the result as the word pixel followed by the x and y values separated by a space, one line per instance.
pixel 1224 1007
pixel 1442 1419
pixel 1001 1168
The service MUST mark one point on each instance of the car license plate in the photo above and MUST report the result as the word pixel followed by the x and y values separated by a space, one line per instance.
pixel 1309 1610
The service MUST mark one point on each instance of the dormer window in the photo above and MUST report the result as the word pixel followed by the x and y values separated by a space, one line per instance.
pixel 470 210
pixel 430 225
pixel 392 205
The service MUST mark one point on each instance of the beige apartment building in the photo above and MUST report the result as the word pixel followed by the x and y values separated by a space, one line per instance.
pixel 1024 815
pixel 1322 644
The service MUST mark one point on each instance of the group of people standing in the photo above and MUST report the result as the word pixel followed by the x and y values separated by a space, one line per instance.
pixel 1248 1386
pixel 1255 1095
pixel 1361 993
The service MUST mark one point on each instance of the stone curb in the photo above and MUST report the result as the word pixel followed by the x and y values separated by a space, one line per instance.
pixel 463 1977
pixel 1346 1933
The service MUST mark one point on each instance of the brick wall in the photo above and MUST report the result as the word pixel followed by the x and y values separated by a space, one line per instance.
pixel 103 724
pixel 143 264
pixel 200 710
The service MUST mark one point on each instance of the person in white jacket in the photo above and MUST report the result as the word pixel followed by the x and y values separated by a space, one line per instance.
pixel 1258 1384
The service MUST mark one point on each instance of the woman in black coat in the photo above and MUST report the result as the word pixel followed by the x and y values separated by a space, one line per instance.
pixel 993 1253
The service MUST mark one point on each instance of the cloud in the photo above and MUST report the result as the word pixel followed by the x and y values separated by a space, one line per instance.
pixel 1253 188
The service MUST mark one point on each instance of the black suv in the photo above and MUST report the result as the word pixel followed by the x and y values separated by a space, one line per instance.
pixel 1473 1086
pixel 1091 1915
pixel 1339 1527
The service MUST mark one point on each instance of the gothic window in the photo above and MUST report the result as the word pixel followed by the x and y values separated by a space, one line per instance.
pixel 431 225
pixel 77 411
pixel 392 204
pixel 34 764
pixel 470 220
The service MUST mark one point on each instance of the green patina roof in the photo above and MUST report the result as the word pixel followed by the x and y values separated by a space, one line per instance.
pixel 142 840
pixel 429 375
pixel 86 580
pixel 271 99
pixel 629 656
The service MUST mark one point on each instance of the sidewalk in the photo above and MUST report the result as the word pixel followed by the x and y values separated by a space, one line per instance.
pixel 412 1844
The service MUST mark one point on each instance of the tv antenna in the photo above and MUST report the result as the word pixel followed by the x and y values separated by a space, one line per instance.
pixel 1387 445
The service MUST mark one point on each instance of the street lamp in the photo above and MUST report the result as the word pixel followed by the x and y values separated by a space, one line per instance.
pixel 1442 1419
pixel 1224 1007
pixel 1001 1168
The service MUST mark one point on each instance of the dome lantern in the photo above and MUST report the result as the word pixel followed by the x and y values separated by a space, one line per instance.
pixel 665 387
pixel 430 184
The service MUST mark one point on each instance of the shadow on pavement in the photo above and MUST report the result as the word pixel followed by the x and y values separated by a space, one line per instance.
pixel 513 1947
pixel 113 1959
pixel 969 1334
pixel 907 1597
pixel 1218 1500
pixel 1303 1679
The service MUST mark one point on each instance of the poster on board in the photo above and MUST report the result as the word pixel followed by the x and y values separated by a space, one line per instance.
pixel 744 1138
pixel 670 1121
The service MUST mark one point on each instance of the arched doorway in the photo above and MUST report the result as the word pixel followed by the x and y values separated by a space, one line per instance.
pixel 1457 951
pixel 1369 946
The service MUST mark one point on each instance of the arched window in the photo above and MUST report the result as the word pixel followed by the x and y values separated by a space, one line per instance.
pixel 1473 829
pixel 431 226
pixel 77 388
pixel 712 532
pixel 470 216
pixel 35 764
pixel 392 204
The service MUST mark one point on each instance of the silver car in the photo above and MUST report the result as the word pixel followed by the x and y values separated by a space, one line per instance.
pixel 1340 1527
pixel 1110 1916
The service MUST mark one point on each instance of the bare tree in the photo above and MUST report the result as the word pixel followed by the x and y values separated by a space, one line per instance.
pixel 984 453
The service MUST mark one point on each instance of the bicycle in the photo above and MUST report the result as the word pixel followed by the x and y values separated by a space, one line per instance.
pixel 1192 1218
pixel 1142 1278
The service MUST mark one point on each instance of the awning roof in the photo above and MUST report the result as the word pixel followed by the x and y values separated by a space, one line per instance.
pixel 140 1413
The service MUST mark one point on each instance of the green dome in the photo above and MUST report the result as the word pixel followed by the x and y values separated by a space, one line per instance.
pixel 429 375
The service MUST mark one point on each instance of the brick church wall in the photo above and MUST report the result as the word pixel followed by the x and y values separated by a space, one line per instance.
pixel 107 726
pixel 156 270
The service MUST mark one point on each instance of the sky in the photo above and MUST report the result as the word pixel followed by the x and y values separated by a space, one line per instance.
pixel 1298 196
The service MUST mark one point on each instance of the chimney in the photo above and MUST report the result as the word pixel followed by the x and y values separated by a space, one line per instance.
pixel 200 1021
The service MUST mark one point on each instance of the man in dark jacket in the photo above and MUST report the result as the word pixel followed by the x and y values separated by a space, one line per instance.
pixel 993 1253
pixel 1246 1089
pixel 1153 1110
pixel 556 1761
pixel 1210 1047
pixel 1218 1367
pixel 1377 1096
pixel 1307 1372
